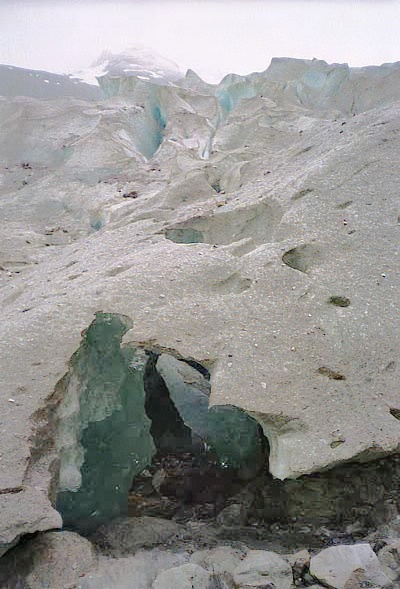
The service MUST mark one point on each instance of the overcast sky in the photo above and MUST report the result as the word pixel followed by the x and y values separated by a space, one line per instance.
pixel 212 37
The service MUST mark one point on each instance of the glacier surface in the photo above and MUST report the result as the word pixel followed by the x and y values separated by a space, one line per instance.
pixel 251 227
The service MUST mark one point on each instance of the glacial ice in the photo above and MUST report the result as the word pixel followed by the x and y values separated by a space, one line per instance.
pixel 232 89
pixel 148 119
pixel 288 207
pixel 236 439
pixel 189 391
pixel 118 405
pixel 230 434
pixel 104 434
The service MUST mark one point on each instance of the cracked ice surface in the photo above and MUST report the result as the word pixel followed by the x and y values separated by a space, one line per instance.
pixel 281 192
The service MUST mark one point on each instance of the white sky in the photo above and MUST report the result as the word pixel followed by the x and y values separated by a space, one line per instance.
pixel 212 37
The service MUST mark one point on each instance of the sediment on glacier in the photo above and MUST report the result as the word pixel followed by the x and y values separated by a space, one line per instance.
pixel 248 228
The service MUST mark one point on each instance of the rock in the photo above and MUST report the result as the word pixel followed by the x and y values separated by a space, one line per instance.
pixel 388 530
pixel 300 563
pixel 359 579
pixel 128 535
pixel 389 557
pixel 221 581
pixel 186 576
pixel 118 573
pixel 24 512
pixel 53 560
pixel 300 559
pixel 131 194
pixel 262 568
pixel 232 516
pixel 342 567
pixel 189 391
pixel 222 559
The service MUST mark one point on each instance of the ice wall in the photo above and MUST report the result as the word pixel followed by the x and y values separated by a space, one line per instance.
pixel 232 436
pixel 107 423
pixel 148 120
pixel 104 434
pixel 232 89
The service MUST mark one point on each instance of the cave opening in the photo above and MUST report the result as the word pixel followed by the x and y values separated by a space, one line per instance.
pixel 134 427
pixel 211 466
pixel 198 467
pixel 134 434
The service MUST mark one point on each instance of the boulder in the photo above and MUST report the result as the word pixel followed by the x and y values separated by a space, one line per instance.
pixel 260 568
pixel 120 573
pixel 186 576
pixel 346 566
pixel 389 557
pixel 300 563
pixel 232 516
pixel 128 535
pixel 52 560
pixel 222 559
pixel 31 513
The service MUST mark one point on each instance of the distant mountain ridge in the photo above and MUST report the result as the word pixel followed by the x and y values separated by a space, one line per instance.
pixel 17 81
pixel 134 62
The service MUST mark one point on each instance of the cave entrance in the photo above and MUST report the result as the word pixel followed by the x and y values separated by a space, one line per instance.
pixel 123 413
pixel 204 455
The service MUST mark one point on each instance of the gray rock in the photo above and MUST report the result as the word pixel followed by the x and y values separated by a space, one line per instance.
pixel 221 581
pixel 186 576
pixel 232 516
pixel 128 535
pixel 26 511
pixel 389 557
pixel 300 563
pixel 222 559
pixel 388 531
pixel 53 560
pixel 340 566
pixel 261 568
pixel 141 569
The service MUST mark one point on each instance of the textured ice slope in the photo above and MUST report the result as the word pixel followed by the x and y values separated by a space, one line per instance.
pixel 252 227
